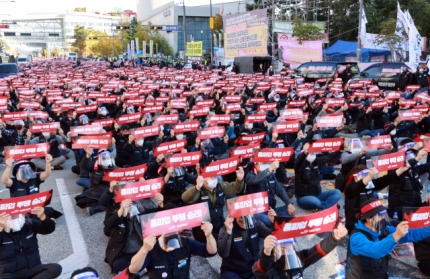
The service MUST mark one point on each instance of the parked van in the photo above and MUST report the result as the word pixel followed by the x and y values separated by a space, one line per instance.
pixel 24 59
pixel 72 55
pixel 7 69
pixel 313 71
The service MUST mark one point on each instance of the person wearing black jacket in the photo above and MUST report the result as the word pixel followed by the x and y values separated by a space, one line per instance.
pixel 308 190
pixel 405 79
pixel 422 75
pixel 138 150
pixel 19 252
pixel 267 268
pixel 364 119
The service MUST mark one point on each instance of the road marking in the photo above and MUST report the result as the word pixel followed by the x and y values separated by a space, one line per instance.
pixel 79 258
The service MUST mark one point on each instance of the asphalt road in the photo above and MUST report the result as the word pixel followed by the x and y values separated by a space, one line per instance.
pixel 78 240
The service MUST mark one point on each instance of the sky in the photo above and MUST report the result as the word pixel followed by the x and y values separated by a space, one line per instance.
pixel 20 7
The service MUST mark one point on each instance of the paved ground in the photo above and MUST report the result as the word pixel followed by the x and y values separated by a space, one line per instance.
pixel 79 241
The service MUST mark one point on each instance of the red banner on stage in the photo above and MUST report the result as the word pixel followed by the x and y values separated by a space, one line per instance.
pixel 45 127
pixel 128 118
pixel 11 116
pixel 268 155
pixel 186 126
pixel 167 119
pixel 417 217
pixel 173 220
pixel 252 138
pixel 211 133
pixel 254 118
pixel 248 204
pixel 329 121
pixel 184 159
pixel 96 141
pixel 29 151
pixel 326 145
pixel 86 130
pixel 316 223
pixel 105 122
pixel 170 147
pixel 286 127
pixel 147 131
pixel 139 190
pixel 123 174
pixel 221 167
pixel 245 151
pixel 390 161
pixel 25 204
pixel 379 142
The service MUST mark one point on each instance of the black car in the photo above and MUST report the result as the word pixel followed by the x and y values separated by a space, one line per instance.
pixel 385 75
pixel 313 71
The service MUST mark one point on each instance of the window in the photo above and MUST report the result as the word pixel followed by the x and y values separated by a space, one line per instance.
pixel 99 24
pixel 372 71
pixel 107 24
pixel 67 23
pixel 68 30
pixel 74 24
pixel 91 24
pixel 82 24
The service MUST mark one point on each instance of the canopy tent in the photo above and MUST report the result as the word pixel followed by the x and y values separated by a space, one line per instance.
pixel 342 49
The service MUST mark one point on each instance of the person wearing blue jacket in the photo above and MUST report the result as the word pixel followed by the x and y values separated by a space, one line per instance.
pixel 373 239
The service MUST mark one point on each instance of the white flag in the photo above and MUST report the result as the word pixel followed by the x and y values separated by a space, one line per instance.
pixel 401 28
pixel 363 29
pixel 416 43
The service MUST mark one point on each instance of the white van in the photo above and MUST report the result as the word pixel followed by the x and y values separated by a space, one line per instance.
pixel 24 59
pixel 72 55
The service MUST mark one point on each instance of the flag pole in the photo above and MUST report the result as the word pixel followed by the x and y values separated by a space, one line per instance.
pixel 360 22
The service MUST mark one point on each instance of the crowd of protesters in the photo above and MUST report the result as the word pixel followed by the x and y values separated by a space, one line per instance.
pixel 116 102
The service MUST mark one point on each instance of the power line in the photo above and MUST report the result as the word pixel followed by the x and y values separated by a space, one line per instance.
pixel 343 33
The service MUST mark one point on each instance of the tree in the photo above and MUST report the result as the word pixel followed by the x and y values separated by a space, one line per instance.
pixel 134 28
pixel 80 37
pixel 218 23
pixel 388 37
pixel 55 53
pixel 305 31
pixel 163 45
pixel 80 10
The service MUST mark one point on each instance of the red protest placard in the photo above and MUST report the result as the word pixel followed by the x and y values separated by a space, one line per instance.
pixel 11 116
pixel 417 217
pixel 173 220
pixel 21 152
pixel 85 109
pixel 200 111
pixel 410 115
pixel 167 119
pixel 257 100
pixel 296 104
pixel 170 147
pixel 211 133
pixel 135 102
pixel 106 100
pixel 27 105
pixel 178 104
pixel 320 222
pixel 248 204
pixel 139 190
pixel 245 151
pixel 268 155
pixel 286 127
pixel 86 130
pixel 326 145
pixel 379 142
pixel 254 118
pixel 39 114
pixel 123 174
pixel 108 122
pixel 221 167
pixel 184 159
pixel 186 126
pixel 232 99
pixel 390 161
pixel 220 119
pixel 268 106
pixel 205 103
pixel 252 138
pixel 128 118
pixel 45 127
pixel 147 131
pixel 329 121
pixel 152 109
pixel 25 204
pixel 379 104
pixel 233 107
pixel 96 141
pixel 413 87
pixel 291 114
pixel 335 102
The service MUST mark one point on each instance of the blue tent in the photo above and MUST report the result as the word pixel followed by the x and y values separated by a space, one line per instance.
pixel 342 49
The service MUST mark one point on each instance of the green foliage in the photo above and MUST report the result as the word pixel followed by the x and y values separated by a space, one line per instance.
pixel 134 28
pixel 305 31
pixel 80 9
pixel 80 37
pixel 218 23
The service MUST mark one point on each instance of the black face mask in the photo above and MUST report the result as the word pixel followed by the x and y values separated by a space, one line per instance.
pixel 18 127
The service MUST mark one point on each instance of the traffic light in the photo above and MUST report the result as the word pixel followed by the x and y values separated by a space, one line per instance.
pixel 92 38
pixel 156 27
pixel 211 23
pixel 123 27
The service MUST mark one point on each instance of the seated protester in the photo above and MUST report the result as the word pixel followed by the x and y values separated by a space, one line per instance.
pixel 308 189
pixel 361 186
pixel 212 149
pixel 154 165
pixel 97 167
pixel 213 192
pixel 275 261
pixel 168 259
pixel 14 134
pixel 239 256
pixel 64 150
pixel 422 254
pixel 126 232
pixel 373 240
pixel 54 142
pixel 121 135
pixel 364 120
pixel 176 180
pixel 19 252
pixel 263 178
pixel 138 150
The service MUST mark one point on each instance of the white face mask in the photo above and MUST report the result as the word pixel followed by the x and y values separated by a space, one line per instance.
pixel 140 142
pixel 15 224
pixel 106 163
pixel 421 71
pixel 264 167
pixel 250 126
pixel 161 128
pixel 212 182
pixel 46 134
pixel 393 132
pixel 311 157
pixel 180 136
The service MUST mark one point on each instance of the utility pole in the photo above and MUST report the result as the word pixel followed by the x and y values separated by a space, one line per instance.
pixel 360 22
pixel 212 37
pixel 273 32
pixel 185 32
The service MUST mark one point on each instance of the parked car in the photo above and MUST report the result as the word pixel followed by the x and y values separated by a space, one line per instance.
pixel 7 69
pixel 385 75
pixel 312 71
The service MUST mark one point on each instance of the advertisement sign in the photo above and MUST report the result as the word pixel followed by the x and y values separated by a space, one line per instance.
pixel 295 53
pixel 248 204
pixel 124 174
pixel 25 204
pixel 246 34
pixel 316 223
pixel 139 190
pixel 194 49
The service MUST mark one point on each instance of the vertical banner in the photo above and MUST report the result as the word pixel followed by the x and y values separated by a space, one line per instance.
pixel 246 34
pixel 132 48
pixel 137 44
pixel 151 48
pixel 144 49
pixel 128 52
